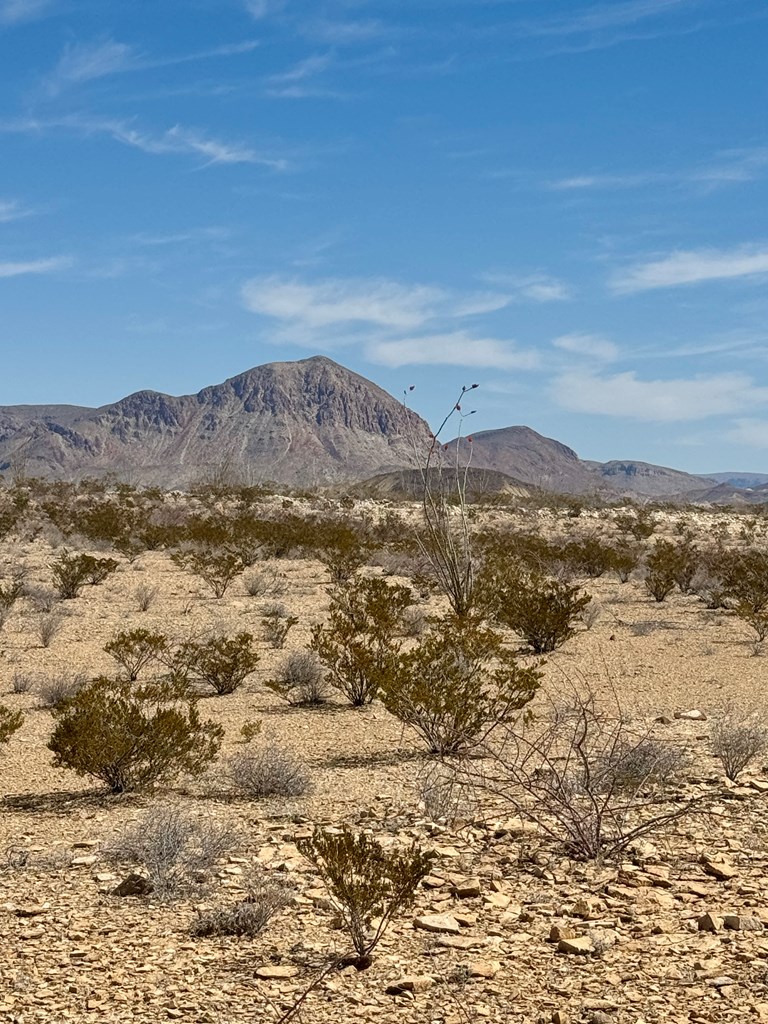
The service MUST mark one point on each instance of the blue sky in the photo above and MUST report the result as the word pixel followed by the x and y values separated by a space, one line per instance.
pixel 565 202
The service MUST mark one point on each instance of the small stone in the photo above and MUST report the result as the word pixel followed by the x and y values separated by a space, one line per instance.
pixel 34 933
pixel 718 867
pixel 466 888
pixel 581 946
pixel 560 1017
pixel 441 923
pixel 484 969
pixel 271 972
pixel 742 923
pixel 33 910
pixel 562 931
pixel 711 923
pixel 410 983
pixel 83 862
pixel 587 909
pixel 721 981
pixel 133 885
pixel 694 715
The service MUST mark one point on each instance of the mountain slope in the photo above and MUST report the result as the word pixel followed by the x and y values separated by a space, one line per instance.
pixel 304 423
pixel 543 462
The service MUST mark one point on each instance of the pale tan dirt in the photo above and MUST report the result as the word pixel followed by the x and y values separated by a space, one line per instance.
pixel 91 956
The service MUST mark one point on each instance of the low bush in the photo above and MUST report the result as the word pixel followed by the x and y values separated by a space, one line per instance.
pixel 457 685
pixel 174 848
pixel 359 643
pixel 134 649
pixel 55 689
pixel 13 590
pixel 72 572
pixel 661 570
pixel 133 737
pixel 10 722
pixel 544 611
pixel 270 770
pixel 737 742
pixel 223 662
pixel 266 898
pixel 276 630
pixel 369 884
pixel 299 679
pixel 218 568
pixel 49 625
pixel 145 596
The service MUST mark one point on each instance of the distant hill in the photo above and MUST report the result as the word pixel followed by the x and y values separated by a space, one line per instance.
pixel 311 423
pixel 303 423
pixel 550 465
pixel 739 479
pixel 408 485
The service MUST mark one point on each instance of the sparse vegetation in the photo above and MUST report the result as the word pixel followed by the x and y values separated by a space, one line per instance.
pixel 738 741
pixel 269 770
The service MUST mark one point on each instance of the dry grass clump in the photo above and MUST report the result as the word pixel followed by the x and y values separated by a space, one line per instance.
pixel 175 849
pixel 737 742
pixel 270 770
pixel 54 690
pixel 266 898
pixel 299 679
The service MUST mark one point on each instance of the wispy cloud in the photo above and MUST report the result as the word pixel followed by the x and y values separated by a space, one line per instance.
pixel 591 346
pixel 344 33
pixel 458 348
pixel 259 9
pixel 375 301
pixel 729 167
pixel 43 266
pixel 601 17
pixel 13 12
pixel 85 62
pixel 532 287
pixel 176 140
pixel 12 209
pixel 691 267
pixel 664 401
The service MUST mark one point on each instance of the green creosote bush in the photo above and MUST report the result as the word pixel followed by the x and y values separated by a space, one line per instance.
pixel 369 884
pixel 661 570
pixel 221 661
pixel 218 568
pixel 132 737
pixel 342 549
pixel 134 649
pixel 544 611
pixel 13 590
pixel 359 642
pixel 276 630
pixel 640 523
pixel 10 722
pixel 457 685
pixel 71 572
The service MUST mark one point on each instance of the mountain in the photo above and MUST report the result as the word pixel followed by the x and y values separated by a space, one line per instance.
pixel 303 423
pixel 739 479
pixel 550 465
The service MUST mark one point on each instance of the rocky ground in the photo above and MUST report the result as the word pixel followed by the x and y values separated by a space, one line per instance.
pixel 505 928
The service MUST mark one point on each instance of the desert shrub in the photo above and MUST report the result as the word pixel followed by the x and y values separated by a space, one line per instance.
pixel 276 630
pixel 132 737
pixel 56 689
pixel 736 742
pixel 745 577
pixel 686 563
pixel 42 599
pixel 71 572
pixel 222 661
pixel 265 583
pixel 275 610
pixel 250 916
pixel 49 625
pixel 341 549
pixel 13 590
pixel 299 679
pixel 218 568
pixel 661 570
pixel 756 620
pixel 270 770
pixel 413 621
pixel 10 722
pixel 639 523
pixel 366 882
pixel 174 848
pixel 542 610
pixel 145 596
pixel 22 682
pixel 589 557
pixel 585 779
pixel 444 794
pixel 358 643
pixel 134 649
pixel 625 558
pixel 457 685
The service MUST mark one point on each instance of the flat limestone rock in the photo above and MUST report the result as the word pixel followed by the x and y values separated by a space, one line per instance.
pixel 276 972
pixel 445 924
